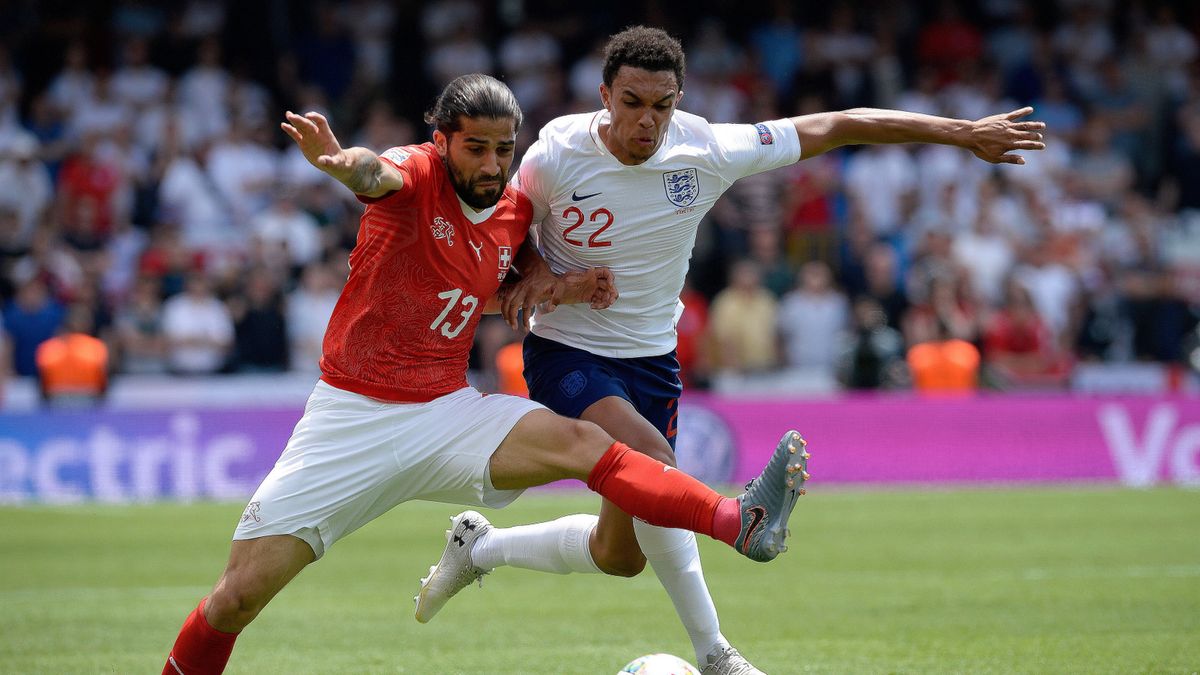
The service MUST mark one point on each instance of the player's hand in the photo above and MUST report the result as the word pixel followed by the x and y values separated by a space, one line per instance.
pixel 596 286
pixel 993 138
pixel 316 140
pixel 517 302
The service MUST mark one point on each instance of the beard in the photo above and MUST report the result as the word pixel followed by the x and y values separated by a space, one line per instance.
pixel 469 190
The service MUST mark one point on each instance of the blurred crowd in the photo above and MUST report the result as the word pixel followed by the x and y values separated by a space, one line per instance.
pixel 148 197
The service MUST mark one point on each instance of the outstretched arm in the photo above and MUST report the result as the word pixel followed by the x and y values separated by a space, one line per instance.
pixel 357 168
pixel 990 139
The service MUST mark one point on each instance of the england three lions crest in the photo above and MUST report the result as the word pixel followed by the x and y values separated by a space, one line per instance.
pixel 682 186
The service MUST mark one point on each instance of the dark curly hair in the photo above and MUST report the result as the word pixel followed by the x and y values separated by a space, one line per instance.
pixel 475 95
pixel 643 47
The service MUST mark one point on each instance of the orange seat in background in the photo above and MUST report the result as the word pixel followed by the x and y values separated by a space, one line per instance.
pixel 74 364
pixel 510 369
pixel 950 366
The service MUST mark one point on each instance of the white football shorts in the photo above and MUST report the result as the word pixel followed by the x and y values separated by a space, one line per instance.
pixel 352 458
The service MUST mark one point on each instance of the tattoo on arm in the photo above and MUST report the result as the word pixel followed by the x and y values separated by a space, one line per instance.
pixel 366 175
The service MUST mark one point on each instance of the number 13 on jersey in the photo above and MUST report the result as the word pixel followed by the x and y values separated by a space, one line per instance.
pixel 593 241
pixel 452 297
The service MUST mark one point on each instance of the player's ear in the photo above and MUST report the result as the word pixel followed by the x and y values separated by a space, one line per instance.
pixel 678 98
pixel 441 142
pixel 604 96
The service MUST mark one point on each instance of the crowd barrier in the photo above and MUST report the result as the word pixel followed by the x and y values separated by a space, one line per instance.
pixel 179 453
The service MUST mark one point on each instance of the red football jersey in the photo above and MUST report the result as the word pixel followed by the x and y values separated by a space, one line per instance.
pixel 420 275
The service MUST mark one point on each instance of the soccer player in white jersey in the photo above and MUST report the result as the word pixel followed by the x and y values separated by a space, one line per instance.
pixel 625 188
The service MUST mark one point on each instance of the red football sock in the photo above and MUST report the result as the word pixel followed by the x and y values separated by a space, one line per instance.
pixel 200 649
pixel 658 494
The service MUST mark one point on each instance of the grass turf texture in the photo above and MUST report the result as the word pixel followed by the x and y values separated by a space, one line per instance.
pixel 990 581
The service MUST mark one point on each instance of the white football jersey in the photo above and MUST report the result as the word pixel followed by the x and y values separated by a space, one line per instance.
pixel 590 210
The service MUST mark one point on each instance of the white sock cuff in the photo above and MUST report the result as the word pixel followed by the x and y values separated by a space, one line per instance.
pixel 574 544
pixel 656 541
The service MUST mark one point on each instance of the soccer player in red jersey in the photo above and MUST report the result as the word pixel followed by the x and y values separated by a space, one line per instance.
pixel 393 418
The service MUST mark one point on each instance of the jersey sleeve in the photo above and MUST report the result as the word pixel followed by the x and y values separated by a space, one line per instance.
pixel 532 179
pixel 413 166
pixel 747 149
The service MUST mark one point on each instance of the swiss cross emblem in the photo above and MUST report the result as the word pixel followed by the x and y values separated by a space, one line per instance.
pixel 505 262
pixel 443 229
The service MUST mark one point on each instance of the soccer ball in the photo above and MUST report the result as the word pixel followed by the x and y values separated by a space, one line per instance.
pixel 658 664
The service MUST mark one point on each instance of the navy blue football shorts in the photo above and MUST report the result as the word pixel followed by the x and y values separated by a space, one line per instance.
pixel 568 380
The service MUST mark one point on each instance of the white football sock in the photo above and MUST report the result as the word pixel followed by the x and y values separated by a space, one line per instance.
pixel 676 560
pixel 559 546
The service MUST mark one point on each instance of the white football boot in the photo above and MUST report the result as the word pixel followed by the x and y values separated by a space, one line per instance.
pixel 728 661
pixel 454 571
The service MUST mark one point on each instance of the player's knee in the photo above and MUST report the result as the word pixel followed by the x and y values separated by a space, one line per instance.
pixel 587 441
pixel 619 562
pixel 232 607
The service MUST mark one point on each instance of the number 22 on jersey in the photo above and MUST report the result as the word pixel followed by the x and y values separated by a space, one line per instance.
pixel 452 296
pixel 593 241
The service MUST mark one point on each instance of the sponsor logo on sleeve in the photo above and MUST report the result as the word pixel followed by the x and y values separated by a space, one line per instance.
pixel 764 134
pixel 682 186
pixel 396 155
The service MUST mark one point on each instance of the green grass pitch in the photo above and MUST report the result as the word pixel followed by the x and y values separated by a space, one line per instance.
pixel 1049 580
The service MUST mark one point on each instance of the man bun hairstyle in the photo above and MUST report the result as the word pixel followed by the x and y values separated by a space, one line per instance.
pixel 643 47
pixel 474 96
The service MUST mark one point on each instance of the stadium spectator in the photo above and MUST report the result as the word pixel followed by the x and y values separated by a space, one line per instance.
pixel 736 321
pixel 882 277
pixel 198 328
pixel 141 344
pixel 845 50
pixel 89 186
pixel 204 91
pixel 813 321
pixel 308 310
pixel 370 24
pixel 25 186
pixel 985 252
pixel 30 318
pixel 946 312
pixel 766 250
pixel 291 236
pixel 778 45
pixel 73 85
pixel 1019 350
pixel 529 57
pixel 260 325
pixel 881 181
pixel 137 82
pixel 874 356
pixel 949 44
pixel 53 263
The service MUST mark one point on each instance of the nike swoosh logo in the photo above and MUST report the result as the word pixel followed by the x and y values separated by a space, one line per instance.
pixel 758 513
pixel 576 197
